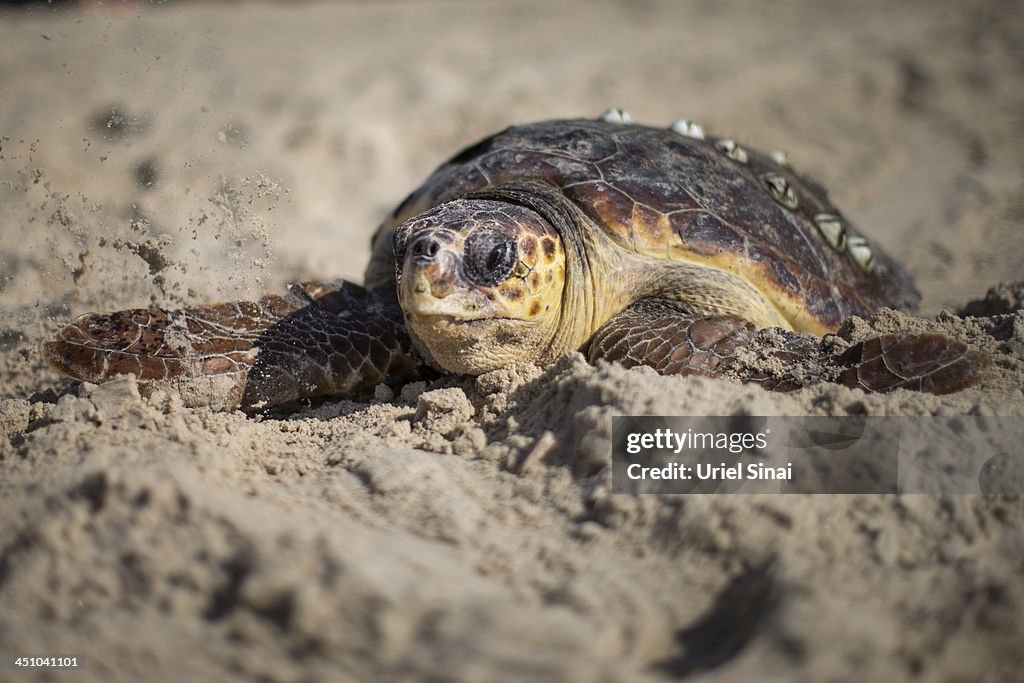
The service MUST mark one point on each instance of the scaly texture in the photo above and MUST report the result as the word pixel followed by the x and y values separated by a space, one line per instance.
pixel 660 335
pixel 318 339
pixel 921 362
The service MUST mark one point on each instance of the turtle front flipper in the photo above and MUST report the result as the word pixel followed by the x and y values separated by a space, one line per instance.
pixel 660 335
pixel 318 339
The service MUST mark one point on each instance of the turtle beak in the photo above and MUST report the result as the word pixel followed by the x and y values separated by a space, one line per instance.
pixel 428 275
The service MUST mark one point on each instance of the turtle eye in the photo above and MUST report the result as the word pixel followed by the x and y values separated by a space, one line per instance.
pixel 489 258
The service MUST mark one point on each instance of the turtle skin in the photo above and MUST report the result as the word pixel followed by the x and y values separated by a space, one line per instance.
pixel 673 249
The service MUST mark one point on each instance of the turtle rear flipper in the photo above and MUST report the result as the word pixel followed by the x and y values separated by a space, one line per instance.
pixel 319 339
pixel 932 363
pixel 660 335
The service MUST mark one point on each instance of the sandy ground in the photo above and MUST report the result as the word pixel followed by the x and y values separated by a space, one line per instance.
pixel 203 151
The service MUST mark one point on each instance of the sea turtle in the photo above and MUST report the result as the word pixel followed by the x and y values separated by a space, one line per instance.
pixel 650 246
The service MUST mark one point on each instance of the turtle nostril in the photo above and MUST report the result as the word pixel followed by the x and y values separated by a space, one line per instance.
pixel 425 249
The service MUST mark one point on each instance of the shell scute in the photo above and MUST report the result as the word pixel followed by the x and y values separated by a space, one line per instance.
pixel 581 140
pixel 607 206
pixel 703 234
pixel 782 270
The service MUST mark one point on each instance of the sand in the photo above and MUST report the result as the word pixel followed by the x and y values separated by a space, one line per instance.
pixel 463 530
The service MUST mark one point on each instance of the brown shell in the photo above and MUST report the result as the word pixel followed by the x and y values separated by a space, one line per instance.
pixel 674 197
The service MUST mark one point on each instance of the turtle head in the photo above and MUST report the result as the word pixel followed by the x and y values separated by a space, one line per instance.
pixel 480 283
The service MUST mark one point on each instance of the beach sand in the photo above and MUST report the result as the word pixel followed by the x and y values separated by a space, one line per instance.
pixel 463 530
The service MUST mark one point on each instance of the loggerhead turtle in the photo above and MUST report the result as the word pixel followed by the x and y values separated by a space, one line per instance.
pixel 650 246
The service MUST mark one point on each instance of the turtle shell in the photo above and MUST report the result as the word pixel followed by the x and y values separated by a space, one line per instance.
pixel 670 195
